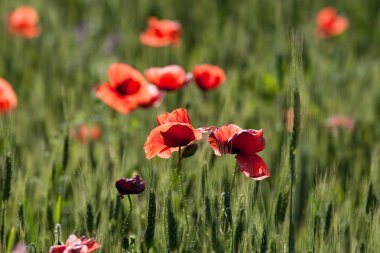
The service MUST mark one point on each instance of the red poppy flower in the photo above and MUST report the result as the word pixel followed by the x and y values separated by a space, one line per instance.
pixel 338 121
pixel 173 131
pixel 208 77
pixel 156 97
pixel 168 78
pixel 231 139
pixel 75 245
pixel 8 99
pixel 161 33
pixel 133 185
pixel 329 24
pixel 85 133
pixel 127 88
pixel 23 21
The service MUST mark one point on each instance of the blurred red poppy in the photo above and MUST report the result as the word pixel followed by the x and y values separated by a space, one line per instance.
pixel 231 139
pixel 134 185
pixel 8 98
pixel 75 244
pixel 85 133
pixel 23 21
pixel 161 33
pixel 168 78
pixel 173 131
pixel 337 121
pixel 156 97
pixel 329 24
pixel 208 77
pixel 127 88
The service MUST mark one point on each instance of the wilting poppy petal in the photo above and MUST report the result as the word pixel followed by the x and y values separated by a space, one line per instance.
pixel 8 99
pixel 134 185
pixel 122 104
pixel 171 77
pixel 218 138
pixel 253 166
pixel 208 77
pixel 166 138
pixel 247 142
pixel 179 115
pixel 23 21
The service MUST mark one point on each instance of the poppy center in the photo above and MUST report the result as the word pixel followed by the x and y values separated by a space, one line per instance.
pixel 128 87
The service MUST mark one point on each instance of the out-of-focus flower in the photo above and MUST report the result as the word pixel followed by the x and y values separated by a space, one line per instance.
pixel 134 185
pixel 340 121
pixel 76 245
pixel 111 43
pixel 231 139
pixel 173 131
pixel 168 78
pixel 161 33
pixel 208 77
pixel 126 90
pixel 85 133
pixel 20 248
pixel 329 24
pixel 156 97
pixel 23 22
pixel 8 98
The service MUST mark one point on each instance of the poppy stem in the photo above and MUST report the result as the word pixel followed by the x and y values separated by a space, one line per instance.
pixel 130 206
pixel 180 184
pixel 233 177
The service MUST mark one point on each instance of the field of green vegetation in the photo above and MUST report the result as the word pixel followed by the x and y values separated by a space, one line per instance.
pixel 271 56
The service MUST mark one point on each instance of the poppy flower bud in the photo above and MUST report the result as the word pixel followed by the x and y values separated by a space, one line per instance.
pixel 208 77
pixel 132 185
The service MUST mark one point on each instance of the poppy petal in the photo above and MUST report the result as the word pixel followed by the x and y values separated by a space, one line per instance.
pixel 253 166
pixel 120 103
pixel 170 77
pixel 247 142
pixel 208 76
pixel 339 26
pixel 179 135
pixel 121 72
pixel 179 115
pixel 218 138
pixel 8 98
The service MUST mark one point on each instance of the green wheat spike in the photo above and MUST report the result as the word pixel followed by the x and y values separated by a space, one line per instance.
pixel 149 233
pixel 172 225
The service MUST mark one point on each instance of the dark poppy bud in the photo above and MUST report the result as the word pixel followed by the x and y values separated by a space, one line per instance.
pixel 132 185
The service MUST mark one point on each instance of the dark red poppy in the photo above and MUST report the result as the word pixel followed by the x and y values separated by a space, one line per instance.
pixel 340 121
pixel 8 98
pixel 134 185
pixel 127 88
pixel 84 133
pixel 161 33
pixel 23 21
pixel 173 131
pixel 168 78
pixel 329 24
pixel 208 77
pixel 231 139
pixel 75 245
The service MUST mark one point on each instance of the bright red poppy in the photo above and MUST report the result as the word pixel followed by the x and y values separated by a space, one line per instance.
pixel 208 77
pixel 75 245
pixel 340 121
pixel 171 77
pixel 8 98
pixel 231 139
pixel 329 24
pixel 173 131
pixel 23 21
pixel 161 33
pixel 85 133
pixel 126 90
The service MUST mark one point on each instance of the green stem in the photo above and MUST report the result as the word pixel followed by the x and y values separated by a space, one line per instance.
pixel 180 184
pixel 130 205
